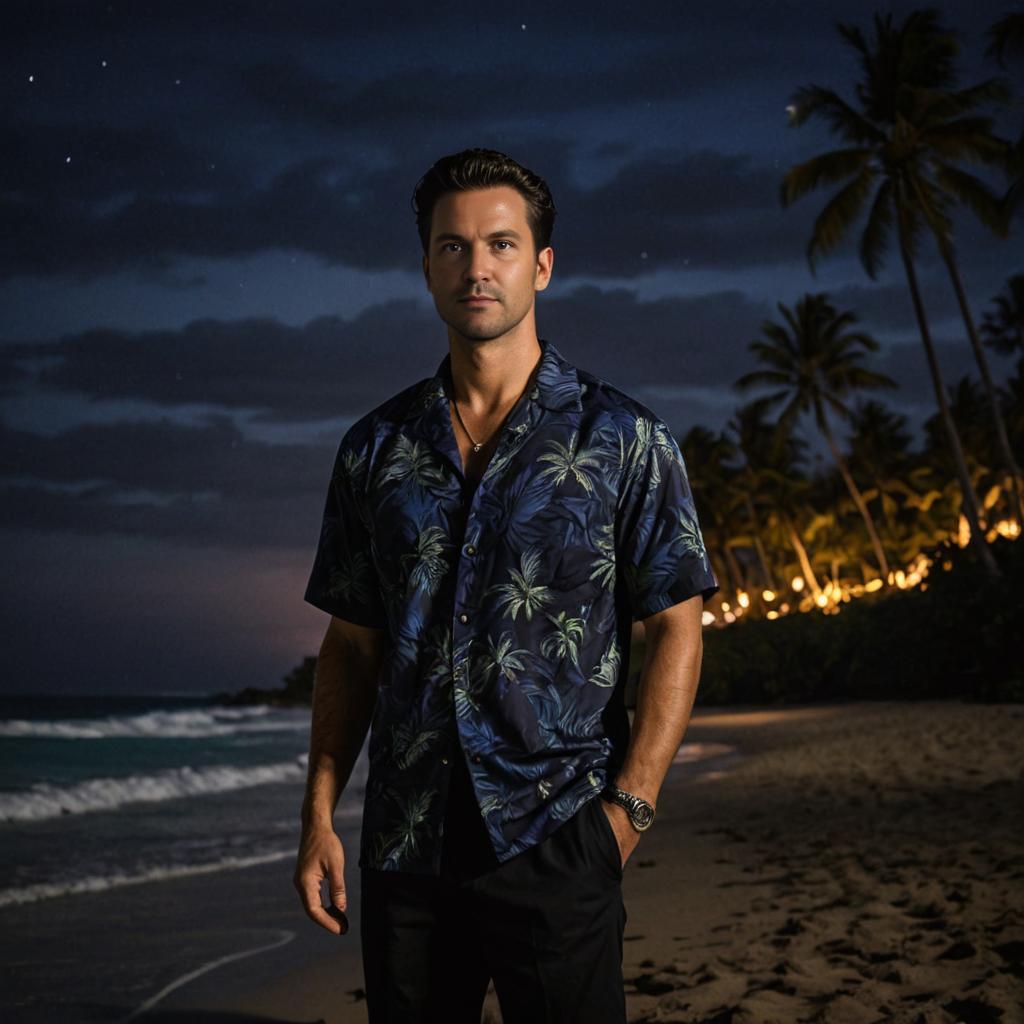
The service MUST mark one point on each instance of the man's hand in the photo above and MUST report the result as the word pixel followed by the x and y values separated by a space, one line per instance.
pixel 626 836
pixel 321 856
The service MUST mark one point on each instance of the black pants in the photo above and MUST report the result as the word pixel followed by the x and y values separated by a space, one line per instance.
pixel 546 925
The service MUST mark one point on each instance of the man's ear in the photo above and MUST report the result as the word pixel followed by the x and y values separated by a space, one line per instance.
pixel 426 270
pixel 545 266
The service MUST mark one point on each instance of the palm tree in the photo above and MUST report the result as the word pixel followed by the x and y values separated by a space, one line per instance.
pixel 1015 407
pixel 901 143
pixel 1004 327
pixel 773 477
pixel 1006 39
pixel 814 359
pixel 753 437
pixel 709 455
pixel 879 453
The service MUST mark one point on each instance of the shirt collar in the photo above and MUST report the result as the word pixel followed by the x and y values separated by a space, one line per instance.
pixel 556 385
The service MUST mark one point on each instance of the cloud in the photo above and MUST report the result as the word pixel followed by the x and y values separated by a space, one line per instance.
pixel 699 210
pixel 332 367
pixel 203 484
pixel 325 369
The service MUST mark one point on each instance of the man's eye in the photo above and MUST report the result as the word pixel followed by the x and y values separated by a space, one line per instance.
pixel 503 241
pixel 450 246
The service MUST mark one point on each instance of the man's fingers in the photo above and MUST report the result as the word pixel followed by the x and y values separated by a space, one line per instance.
pixel 336 879
pixel 314 908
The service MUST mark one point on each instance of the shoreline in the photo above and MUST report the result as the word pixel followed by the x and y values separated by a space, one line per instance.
pixel 831 863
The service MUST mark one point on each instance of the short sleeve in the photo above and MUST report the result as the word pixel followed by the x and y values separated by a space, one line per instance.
pixel 343 581
pixel 660 551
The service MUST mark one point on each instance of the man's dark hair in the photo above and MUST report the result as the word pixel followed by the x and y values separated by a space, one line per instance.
pixel 484 168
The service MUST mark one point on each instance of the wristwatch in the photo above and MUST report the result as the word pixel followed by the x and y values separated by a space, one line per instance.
pixel 641 813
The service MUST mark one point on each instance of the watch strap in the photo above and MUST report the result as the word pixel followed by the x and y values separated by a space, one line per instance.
pixel 640 811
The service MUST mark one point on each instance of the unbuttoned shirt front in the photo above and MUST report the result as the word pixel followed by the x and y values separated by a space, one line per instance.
pixel 507 607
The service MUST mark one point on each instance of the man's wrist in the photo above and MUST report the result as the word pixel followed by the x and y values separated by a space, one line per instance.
pixel 639 811
pixel 316 818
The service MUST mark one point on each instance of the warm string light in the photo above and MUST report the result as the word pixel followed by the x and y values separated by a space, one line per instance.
pixel 833 594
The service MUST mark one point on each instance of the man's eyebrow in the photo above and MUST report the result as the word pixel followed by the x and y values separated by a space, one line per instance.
pixel 449 236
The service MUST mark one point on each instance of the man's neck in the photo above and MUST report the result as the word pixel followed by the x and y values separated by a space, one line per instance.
pixel 488 376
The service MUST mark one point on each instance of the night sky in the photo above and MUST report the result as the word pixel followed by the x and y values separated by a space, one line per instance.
pixel 209 268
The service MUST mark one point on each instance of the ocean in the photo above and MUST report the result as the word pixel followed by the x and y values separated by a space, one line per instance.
pixel 102 792
pixel 125 823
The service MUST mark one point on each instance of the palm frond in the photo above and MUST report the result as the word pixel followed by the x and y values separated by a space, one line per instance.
pixel 839 214
pixel 826 169
pixel 975 194
pixel 815 101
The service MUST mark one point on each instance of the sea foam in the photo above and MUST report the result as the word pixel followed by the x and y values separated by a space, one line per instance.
pixel 193 723
pixel 159 873
pixel 43 800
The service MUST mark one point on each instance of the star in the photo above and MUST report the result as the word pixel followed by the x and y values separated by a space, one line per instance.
pixel 31 78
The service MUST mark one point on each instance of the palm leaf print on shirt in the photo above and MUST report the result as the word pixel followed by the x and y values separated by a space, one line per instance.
pixel 430 565
pixel 564 640
pixel 524 593
pixel 411 460
pixel 568 459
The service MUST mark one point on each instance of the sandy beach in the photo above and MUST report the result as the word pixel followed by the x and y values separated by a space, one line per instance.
pixel 847 863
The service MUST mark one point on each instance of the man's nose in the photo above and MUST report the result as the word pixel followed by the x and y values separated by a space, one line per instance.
pixel 478 268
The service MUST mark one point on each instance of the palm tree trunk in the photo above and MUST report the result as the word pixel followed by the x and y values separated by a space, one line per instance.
pixel 969 499
pixel 801 554
pixel 733 571
pixel 1002 441
pixel 851 486
pixel 762 559
pixel 890 526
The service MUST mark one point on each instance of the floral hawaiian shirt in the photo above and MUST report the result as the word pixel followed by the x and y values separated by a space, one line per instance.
pixel 507 607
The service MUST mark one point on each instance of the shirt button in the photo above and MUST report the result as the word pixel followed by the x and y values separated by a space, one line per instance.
pixel 444 760
pixel 535 393
pixel 470 550
pixel 463 618
pixel 476 759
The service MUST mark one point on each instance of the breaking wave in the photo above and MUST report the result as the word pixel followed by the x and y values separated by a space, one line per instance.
pixel 44 801
pixel 98 883
pixel 193 723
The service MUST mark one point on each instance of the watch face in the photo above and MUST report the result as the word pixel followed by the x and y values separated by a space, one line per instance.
pixel 643 816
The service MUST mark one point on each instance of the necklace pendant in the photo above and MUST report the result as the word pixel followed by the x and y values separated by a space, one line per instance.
pixel 477 447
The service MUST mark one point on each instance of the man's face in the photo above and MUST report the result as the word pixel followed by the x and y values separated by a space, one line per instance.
pixel 481 246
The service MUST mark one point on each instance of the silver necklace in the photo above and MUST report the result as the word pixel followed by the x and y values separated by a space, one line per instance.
pixel 477 445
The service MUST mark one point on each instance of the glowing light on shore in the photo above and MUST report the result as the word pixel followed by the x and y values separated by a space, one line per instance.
pixel 707 617
pixel 963 531
pixel 834 593
pixel 1004 528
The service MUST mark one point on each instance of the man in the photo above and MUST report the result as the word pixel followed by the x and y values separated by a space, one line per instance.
pixel 489 535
